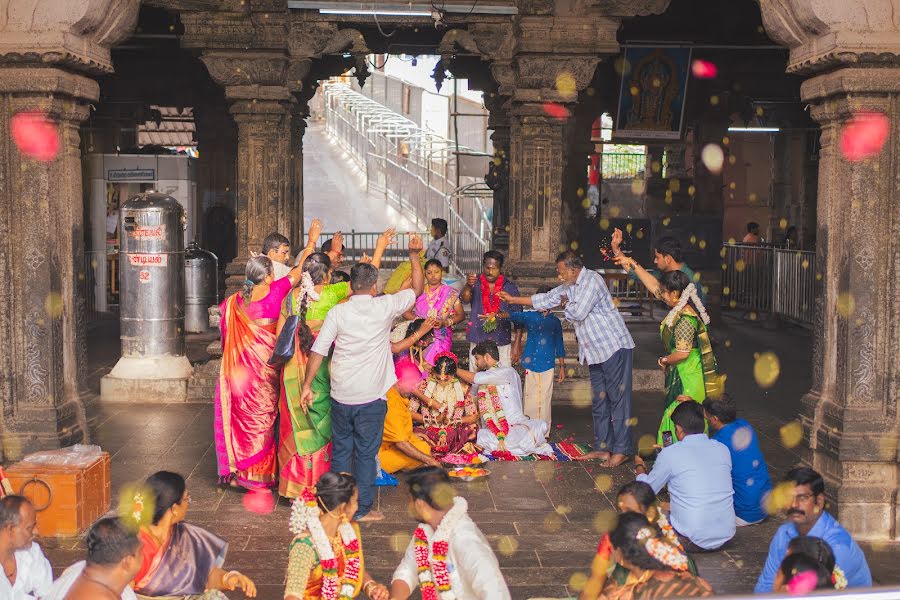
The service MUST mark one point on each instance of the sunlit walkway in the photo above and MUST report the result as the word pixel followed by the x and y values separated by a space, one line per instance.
pixel 334 189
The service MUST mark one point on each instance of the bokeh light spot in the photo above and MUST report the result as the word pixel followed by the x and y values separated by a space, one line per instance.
pixel 766 369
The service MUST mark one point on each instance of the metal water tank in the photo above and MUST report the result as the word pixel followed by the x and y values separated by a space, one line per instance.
pixel 201 287
pixel 151 262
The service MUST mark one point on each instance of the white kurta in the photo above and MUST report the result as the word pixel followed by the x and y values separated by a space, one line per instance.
pixel 34 576
pixel 62 585
pixel 526 436
pixel 474 570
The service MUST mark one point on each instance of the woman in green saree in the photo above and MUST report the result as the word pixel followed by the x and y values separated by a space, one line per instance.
pixel 689 363
pixel 304 449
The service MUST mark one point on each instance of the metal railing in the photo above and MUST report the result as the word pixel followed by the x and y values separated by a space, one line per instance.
pixel 767 279
pixel 415 169
pixel 622 166
pixel 357 243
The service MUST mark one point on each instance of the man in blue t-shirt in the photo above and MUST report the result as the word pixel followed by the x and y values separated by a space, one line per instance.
pixel 543 347
pixel 749 473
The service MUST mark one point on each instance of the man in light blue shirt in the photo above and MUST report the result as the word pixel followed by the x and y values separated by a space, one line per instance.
pixel 806 516
pixel 697 471
pixel 604 344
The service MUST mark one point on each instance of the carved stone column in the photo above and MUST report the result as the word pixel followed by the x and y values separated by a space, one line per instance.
pixel 262 110
pixel 851 412
pixel 497 177
pixel 850 415
pixel 41 222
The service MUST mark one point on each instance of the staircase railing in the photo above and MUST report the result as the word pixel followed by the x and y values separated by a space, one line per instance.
pixel 414 169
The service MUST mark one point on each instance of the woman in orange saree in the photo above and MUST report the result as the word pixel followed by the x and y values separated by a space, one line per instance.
pixel 247 390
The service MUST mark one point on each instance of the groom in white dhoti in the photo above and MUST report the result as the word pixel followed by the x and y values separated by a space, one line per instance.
pixel 504 426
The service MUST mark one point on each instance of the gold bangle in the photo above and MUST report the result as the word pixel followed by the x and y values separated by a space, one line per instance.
pixel 372 583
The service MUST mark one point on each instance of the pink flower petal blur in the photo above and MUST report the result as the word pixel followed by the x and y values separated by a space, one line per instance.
pixel 703 69
pixel 35 135
pixel 802 583
pixel 557 111
pixel 864 135
pixel 260 502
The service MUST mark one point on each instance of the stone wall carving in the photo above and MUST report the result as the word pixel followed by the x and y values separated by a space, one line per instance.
pixel 76 33
pixel 823 34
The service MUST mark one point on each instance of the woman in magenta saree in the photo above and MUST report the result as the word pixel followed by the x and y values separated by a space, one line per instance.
pixel 247 390
pixel 440 302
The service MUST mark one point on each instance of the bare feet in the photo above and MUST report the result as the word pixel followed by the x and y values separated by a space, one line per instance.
pixel 614 461
pixel 594 455
pixel 372 515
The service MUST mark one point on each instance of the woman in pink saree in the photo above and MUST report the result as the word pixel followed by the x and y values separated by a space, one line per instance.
pixel 247 391
pixel 440 302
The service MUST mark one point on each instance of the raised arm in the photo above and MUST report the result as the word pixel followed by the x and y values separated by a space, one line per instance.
pixel 466 294
pixel 384 240
pixel 315 230
pixel 409 341
pixel 418 276
pixel 337 246
pixel 517 300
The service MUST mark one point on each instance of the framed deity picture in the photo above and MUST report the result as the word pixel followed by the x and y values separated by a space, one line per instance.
pixel 652 93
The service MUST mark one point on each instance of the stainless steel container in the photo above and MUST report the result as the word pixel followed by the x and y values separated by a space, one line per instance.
pixel 201 287
pixel 151 264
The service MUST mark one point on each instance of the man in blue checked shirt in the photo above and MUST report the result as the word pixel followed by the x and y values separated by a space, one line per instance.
pixel 604 344
pixel 543 346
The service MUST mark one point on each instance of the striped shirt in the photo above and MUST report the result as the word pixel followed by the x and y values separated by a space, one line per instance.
pixel 599 327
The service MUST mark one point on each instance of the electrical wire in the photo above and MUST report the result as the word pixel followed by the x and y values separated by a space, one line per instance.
pixel 377 24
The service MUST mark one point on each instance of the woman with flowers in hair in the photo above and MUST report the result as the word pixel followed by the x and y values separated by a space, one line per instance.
pixel 304 451
pixel 326 557
pixel 689 362
pixel 247 391
pixel 656 567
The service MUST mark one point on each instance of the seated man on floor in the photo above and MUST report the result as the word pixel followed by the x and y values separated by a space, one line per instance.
pixel 26 572
pixel 504 426
pixel 749 473
pixel 448 551
pixel 805 510
pixel 697 471
pixel 114 557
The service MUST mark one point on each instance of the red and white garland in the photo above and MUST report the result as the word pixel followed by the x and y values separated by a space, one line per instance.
pixel 491 408
pixel 305 516
pixel 434 577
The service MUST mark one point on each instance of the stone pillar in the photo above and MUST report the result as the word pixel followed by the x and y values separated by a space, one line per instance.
pixel 537 164
pixel 41 216
pixel 43 314
pixel 497 179
pixel 850 415
pixel 263 110
pixel 299 114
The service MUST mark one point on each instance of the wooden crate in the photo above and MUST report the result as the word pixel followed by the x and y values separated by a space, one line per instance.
pixel 68 498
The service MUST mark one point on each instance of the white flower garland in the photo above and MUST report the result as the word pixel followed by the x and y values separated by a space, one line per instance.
pixel 305 515
pixel 689 294
pixel 307 287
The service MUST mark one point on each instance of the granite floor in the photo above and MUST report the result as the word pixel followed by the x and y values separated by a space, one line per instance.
pixel 542 518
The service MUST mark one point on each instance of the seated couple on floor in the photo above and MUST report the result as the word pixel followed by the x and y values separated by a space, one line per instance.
pixel 432 411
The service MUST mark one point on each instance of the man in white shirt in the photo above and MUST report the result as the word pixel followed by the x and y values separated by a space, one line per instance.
pixel 362 372
pixel 469 567
pixel 697 471
pixel 113 559
pixel 26 573
pixel 504 425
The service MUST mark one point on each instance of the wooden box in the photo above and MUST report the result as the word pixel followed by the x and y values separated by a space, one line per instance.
pixel 68 497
